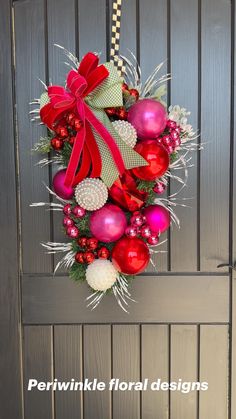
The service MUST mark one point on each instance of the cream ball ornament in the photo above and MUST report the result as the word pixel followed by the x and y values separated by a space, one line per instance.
pixel 126 131
pixel 91 194
pixel 101 275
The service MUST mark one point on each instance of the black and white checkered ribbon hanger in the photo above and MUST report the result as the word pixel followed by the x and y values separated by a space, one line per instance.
pixel 115 37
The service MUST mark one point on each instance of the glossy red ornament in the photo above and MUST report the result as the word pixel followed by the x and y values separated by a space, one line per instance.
pixel 57 143
pixel 122 114
pixel 78 211
pixel 110 111
pixel 137 220
pixel 145 231
pixel 62 131
pixel 170 149
pixel 67 221
pixel 166 140
pixel 89 257
pixel 72 232
pixel 171 124
pixel 153 240
pixel 134 93
pixel 125 87
pixel 124 192
pixel 70 118
pixel 77 124
pixel 67 209
pixel 157 157
pixel 103 253
pixel 82 241
pixel 79 257
pixel 130 255
pixel 131 231
pixel 71 140
pixel 174 135
pixel 92 243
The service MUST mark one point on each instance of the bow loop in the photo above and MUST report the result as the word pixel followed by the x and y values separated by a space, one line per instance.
pixel 76 83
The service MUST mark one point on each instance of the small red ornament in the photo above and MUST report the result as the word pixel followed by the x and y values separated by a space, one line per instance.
pixel 171 124
pixel 82 241
pixel 177 142
pixel 131 231
pixel 57 143
pixel 78 211
pixel 159 188
pixel 92 243
pixel 103 253
pixel 67 221
pixel 130 255
pixel 166 140
pixel 145 231
pixel 174 135
pixel 71 140
pixel 153 240
pixel 78 124
pixel 62 131
pixel 134 93
pixel 70 118
pixel 122 114
pixel 67 209
pixel 79 257
pixel 170 149
pixel 89 257
pixel 137 220
pixel 72 232
pixel 110 111
pixel 157 157
pixel 125 87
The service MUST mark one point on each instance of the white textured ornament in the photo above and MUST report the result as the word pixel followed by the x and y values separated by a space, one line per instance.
pixel 126 131
pixel 91 194
pixel 101 275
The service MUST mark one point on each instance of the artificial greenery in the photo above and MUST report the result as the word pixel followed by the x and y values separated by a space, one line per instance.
pixel 43 146
pixel 77 271
pixel 147 186
pixel 65 153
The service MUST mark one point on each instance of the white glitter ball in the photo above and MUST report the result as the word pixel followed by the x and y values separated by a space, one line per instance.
pixel 126 131
pixel 101 275
pixel 91 194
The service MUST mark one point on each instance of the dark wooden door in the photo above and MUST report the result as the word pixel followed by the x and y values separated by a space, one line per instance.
pixel 184 323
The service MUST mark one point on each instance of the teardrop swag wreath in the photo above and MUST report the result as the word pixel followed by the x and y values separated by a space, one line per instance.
pixel 117 147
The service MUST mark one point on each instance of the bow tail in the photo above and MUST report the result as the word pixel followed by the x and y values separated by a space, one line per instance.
pixel 75 157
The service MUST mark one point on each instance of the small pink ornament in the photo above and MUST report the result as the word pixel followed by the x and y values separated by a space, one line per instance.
pixel 153 240
pixel 170 149
pixel 178 129
pixel 108 223
pixel 166 140
pixel 136 220
pixel 159 140
pixel 72 232
pixel 64 192
pixel 177 142
pixel 131 231
pixel 68 222
pixel 67 209
pixel 174 135
pixel 148 116
pixel 158 218
pixel 171 124
pixel 78 211
pixel 159 188
pixel 145 231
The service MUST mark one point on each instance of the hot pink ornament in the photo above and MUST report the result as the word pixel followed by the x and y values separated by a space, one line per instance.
pixel 78 211
pixel 177 142
pixel 158 218
pixel 137 220
pixel 145 231
pixel 170 149
pixel 148 116
pixel 108 224
pixel 64 192
pixel 171 124
pixel 159 188
pixel 67 209
pixel 68 222
pixel 131 231
pixel 153 240
pixel 72 232
pixel 174 135
pixel 166 140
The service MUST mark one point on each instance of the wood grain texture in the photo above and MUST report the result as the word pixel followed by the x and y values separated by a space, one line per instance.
pixel 153 51
pixel 184 354
pixel 67 365
pixel 37 364
pixel 10 388
pixel 184 55
pixel 155 364
pixel 97 364
pixel 164 299
pixel 29 67
pixel 215 131
pixel 126 367
pixel 214 370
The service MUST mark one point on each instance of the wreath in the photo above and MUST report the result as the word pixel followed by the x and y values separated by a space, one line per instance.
pixel 117 145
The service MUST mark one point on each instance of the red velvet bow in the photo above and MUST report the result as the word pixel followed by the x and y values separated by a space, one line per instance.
pixel 79 84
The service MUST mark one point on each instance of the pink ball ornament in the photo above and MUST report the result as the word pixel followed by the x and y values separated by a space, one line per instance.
pixel 153 240
pixel 158 218
pixel 78 211
pixel 177 142
pixel 148 116
pixel 67 209
pixel 131 231
pixel 159 188
pixel 170 149
pixel 137 220
pixel 174 135
pixel 166 140
pixel 108 223
pixel 171 124
pixel 67 221
pixel 64 192
pixel 72 232
pixel 145 231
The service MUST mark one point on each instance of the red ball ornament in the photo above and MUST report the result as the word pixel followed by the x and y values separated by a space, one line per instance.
pixel 78 211
pixel 89 257
pixel 57 143
pixel 136 220
pixel 125 87
pixel 166 140
pixel 134 93
pixel 171 124
pixel 145 231
pixel 153 240
pixel 82 241
pixel 110 111
pixel 122 114
pixel 62 131
pixel 92 243
pixel 71 140
pixel 67 209
pixel 79 257
pixel 70 118
pixel 72 232
pixel 157 157
pixel 67 221
pixel 131 231
pixel 103 253
pixel 78 124
pixel 130 255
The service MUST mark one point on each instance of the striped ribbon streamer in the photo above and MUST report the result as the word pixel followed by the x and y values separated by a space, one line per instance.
pixel 115 37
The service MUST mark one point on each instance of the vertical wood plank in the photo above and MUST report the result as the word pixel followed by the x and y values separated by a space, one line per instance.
pixel 37 364
pixel 68 365
pixel 92 14
pixel 30 65
pixel 184 92
pixel 155 364
pixel 215 130
pixel 126 366
pixel 184 348
pixel 153 50
pixel 10 393
pixel 214 370
pixel 97 364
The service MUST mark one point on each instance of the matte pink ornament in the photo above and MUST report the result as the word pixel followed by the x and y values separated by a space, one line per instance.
pixel 108 224
pixel 64 192
pixel 148 116
pixel 158 218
